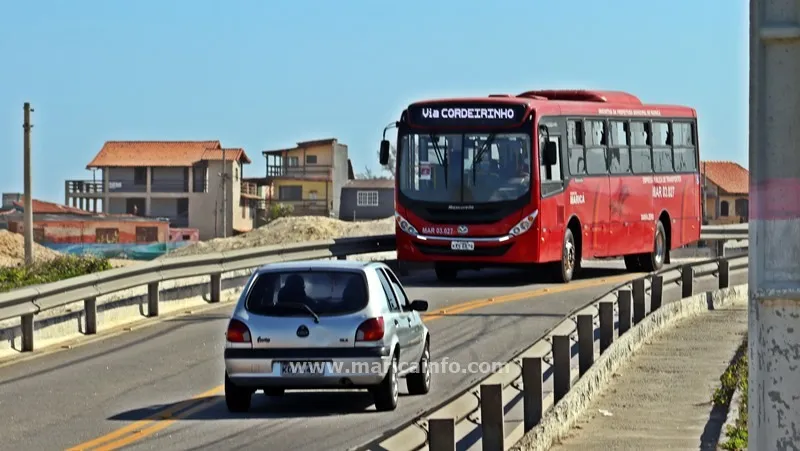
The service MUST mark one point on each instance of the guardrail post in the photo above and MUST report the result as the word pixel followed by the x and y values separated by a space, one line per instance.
pixel 152 299
pixel 442 434
pixel 216 287
pixel 724 274
pixel 585 343
pixel 27 332
pixel 687 281
pixel 656 292
pixel 638 301
pixel 90 310
pixel 606 325
pixel 492 417
pixel 561 366
pixel 624 306
pixel 532 391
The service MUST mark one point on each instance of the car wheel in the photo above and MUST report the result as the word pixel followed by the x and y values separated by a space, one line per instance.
pixel 385 395
pixel 419 382
pixel 237 398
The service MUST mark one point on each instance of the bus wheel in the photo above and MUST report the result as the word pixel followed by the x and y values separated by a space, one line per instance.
pixel 446 273
pixel 569 258
pixel 654 261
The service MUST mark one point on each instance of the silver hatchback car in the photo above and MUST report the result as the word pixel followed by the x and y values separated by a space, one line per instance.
pixel 325 325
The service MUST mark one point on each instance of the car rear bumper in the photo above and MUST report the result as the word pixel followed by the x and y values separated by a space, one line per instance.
pixel 331 368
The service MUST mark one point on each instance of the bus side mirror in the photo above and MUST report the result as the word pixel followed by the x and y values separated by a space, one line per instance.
pixel 549 154
pixel 384 153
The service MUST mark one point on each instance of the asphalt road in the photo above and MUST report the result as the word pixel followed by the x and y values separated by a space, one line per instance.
pixel 104 392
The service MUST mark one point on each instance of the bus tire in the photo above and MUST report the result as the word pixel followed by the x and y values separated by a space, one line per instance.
pixel 445 273
pixel 565 269
pixel 653 261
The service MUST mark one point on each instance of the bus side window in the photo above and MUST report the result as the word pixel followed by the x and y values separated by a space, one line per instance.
pixel 551 173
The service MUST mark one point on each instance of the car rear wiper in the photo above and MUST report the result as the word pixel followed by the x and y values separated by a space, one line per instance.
pixel 300 305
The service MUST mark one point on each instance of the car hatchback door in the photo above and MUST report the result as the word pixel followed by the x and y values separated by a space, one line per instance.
pixel 416 336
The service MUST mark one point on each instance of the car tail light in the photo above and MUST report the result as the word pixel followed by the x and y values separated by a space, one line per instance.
pixel 370 330
pixel 237 332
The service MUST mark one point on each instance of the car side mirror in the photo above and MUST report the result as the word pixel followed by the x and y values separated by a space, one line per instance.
pixel 549 153
pixel 384 152
pixel 419 305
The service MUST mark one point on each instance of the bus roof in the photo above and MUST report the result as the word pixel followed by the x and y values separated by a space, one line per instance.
pixel 579 102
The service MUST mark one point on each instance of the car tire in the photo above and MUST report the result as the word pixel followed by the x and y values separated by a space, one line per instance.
pixel 419 382
pixel 237 399
pixel 386 394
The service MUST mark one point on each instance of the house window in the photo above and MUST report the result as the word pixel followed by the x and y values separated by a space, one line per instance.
pixel 146 234
pixel 312 195
pixel 106 235
pixel 290 192
pixel 367 198
pixel 311 159
pixel 723 208
pixel 140 176
pixel 293 162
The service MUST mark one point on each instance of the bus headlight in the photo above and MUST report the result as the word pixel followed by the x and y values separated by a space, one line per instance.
pixel 405 226
pixel 524 225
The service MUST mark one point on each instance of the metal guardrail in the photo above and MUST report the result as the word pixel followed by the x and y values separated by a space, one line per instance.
pixel 26 302
pixel 484 406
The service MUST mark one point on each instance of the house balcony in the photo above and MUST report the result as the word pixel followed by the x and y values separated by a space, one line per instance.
pixel 83 188
pixel 250 190
pixel 95 188
pixel 307 172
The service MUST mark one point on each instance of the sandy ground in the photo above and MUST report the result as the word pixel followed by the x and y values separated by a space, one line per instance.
pixel 12 251
pixel 288 230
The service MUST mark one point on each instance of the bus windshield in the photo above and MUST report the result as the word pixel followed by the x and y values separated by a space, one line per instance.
pixel 464 168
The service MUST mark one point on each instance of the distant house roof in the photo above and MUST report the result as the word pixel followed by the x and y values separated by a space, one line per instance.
pixel 370 183
pixel 162 153
pixel 728 175
pixel 46 208
pixel 303 144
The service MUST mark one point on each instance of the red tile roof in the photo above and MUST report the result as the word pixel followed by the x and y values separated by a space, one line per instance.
pixel 729 176
pixel 43 208
pixel 161 153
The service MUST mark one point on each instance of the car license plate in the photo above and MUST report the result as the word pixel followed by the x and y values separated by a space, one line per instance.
pixel 314 368
pixel 462 245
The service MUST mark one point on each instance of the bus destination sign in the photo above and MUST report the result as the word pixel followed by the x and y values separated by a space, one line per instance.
pixel 457 114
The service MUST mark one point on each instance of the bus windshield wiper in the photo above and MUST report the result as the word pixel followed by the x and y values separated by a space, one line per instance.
pixel 479 156
pixel 439 155
pixel 302 306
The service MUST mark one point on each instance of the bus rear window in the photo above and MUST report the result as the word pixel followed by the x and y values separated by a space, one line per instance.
pixel 327 293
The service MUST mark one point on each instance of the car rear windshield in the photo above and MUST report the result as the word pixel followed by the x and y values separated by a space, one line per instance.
pixel 299 293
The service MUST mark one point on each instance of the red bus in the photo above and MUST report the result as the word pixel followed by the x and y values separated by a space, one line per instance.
pixel 614 178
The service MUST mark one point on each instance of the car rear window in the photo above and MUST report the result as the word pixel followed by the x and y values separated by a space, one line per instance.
pixel 326 293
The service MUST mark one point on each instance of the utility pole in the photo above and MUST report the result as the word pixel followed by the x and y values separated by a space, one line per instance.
pixel 28 214
pixel 224 195
pixel 774 260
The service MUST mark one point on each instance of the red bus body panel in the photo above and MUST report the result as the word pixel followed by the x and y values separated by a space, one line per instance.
pixel 617 213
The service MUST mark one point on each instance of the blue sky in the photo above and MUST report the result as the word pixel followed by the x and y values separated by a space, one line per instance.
pixel 265 74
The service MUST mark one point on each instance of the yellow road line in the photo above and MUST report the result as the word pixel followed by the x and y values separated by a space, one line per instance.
pixel 142 429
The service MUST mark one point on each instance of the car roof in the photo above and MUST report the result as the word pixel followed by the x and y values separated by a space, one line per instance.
pixel 318 265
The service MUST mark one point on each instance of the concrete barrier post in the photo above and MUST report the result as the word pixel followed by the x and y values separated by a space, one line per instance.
pixel 606 325
pixel 27 332
pixel 90 310
pixel 216 287
pixel 152 299
pixel 532 391
pixel 442 434
pixel 638 301
pixel 624 306
pixel 492 417
pixel 724 274
pixel 687 281
pixel 656 292
pixel 561 366
pixel 585 343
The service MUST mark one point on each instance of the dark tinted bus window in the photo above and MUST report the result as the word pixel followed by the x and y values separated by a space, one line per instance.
pixel 641 161
pixel 596 161
pixel 685 160
pixel 286 293
pixel 662 159
pixel 577 161
pixel 619 161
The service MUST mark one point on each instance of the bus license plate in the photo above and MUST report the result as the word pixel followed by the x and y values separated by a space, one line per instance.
pixel 462 245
